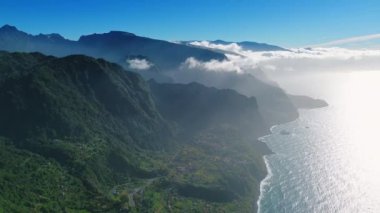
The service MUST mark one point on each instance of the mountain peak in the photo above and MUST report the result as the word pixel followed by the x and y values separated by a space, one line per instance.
pixel 8 28
pixel 115 32
pixel 112 35
pixel 52 36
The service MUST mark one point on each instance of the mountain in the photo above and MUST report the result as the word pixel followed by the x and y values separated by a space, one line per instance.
pixel 273 103
pixel 160 60
pixel 115 46
pixel 165 59
pixel 208 107
pixel 13 40
pixel 84 81
pixel 220 128
pixel 79 134
pixel 78 121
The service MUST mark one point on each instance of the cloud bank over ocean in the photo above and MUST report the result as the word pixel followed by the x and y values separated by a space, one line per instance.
pixel 317 59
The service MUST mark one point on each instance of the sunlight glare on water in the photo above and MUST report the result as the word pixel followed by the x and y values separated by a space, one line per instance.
pixel 330 162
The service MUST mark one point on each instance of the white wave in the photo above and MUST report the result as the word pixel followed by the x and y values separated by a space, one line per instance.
pixel 265 182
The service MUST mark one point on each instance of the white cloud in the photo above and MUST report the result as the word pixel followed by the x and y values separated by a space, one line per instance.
pixel 317 59
pixel 139 64
pixel 233 47
pixel 350 40
pixel 270 67
pixel 213 65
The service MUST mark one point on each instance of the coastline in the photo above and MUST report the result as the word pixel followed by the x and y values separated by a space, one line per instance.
pixel 269 174
pixel 263 183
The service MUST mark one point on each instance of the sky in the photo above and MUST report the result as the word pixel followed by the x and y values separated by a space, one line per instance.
pixel 289 23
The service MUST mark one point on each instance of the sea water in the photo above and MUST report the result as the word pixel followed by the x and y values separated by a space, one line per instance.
pixel 330 161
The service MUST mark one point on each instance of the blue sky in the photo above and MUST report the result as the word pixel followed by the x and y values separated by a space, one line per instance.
pixel 290 23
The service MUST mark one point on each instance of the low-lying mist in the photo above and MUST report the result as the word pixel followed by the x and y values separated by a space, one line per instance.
pixel 286 66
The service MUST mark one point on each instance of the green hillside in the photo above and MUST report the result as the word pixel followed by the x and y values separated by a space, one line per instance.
pixel 83 135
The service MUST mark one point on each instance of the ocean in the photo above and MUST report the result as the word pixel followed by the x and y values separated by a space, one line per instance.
pixel 329 158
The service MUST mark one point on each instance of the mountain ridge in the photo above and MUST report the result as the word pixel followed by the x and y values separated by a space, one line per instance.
pixel 165 55
pixel 84 135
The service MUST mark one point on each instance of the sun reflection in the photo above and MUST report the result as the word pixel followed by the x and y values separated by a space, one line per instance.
pixel 362 108
pixel 337 158
pixel 357 101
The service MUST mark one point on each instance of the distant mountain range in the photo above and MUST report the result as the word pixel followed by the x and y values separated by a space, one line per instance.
pixel 165 58
pixel 115 46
